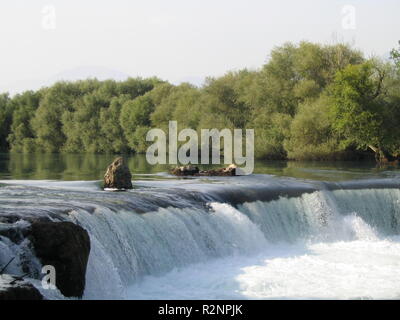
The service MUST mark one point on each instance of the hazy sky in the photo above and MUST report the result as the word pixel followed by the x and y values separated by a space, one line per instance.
pixel 176 40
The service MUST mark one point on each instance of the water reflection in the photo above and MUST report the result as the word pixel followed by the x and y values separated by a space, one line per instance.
pixel 92 167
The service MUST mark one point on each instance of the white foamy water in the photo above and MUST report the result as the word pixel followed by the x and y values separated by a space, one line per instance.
pixel 308 247
pixel 196 242
pixel 359 269
pixel 268 253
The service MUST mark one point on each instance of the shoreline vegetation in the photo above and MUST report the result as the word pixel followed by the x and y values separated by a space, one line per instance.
pixel 308 102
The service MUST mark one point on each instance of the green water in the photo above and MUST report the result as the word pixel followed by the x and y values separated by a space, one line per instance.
pixel 92 167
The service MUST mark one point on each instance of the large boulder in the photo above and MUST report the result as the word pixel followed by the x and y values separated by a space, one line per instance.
pixel 118 175
pixel 12 288
pixel 66 246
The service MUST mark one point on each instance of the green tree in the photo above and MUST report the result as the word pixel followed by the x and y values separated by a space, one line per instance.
pixel 47 122
pixel 311 134
pixel 5 121
pixel 395 56
pixel 135 114
pixel 91 123
pixel 225 99
pixel 135 87
pixel 308 101
pixel 23 107
pixel 270 130
pixel 294 74
pixel 362 114
pixel 81 126
pixel 138 139
pixel 179 104
pixel 113 135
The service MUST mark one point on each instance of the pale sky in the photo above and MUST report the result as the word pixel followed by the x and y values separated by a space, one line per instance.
pixel 176 40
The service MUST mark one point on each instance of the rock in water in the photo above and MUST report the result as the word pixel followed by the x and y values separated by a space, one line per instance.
pixel 66 246
pixel 12 289
pixel 185 171
pixel 231 170
pixel 118 175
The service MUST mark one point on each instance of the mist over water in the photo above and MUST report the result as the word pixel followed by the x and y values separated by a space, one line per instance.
pixel 256 237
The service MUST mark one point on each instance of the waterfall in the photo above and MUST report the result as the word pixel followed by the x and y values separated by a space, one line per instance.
pixel 150 233
pixel 325 215
pixel 127 246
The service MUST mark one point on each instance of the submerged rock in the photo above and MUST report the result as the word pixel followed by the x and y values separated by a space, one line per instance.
pixel 118 175
pixel 13 289
pixel 66 246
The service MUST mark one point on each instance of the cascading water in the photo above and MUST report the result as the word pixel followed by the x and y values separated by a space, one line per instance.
pixel 326 243
pixel 325 215
pixel 161 241
pixel 128 246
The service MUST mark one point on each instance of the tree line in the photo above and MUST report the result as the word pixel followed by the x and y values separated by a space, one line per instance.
pixel 308 102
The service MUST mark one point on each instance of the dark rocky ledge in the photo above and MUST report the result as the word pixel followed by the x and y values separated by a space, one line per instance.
pixel 66 246
pixel 62 244
pixel 13 289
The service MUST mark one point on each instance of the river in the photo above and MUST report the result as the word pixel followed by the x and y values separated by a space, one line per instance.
pixel 291 230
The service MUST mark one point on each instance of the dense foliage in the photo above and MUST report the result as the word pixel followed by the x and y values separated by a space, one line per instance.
pixel 309 101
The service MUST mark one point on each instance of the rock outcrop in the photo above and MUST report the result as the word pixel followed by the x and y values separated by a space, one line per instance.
pixel 231 170
pixel 118 176
pixel 66 246
pixel 13 289
pixel 228 171
pixel 185 171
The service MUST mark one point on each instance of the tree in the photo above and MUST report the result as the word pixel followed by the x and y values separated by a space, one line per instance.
pixel 113 135
pixel 308 101
pixel 47 124
pixel 92 122
pixel 395 56
pixel 82 126
pixel 270 130
pixel 311 134
pixel 135 114
pixel 165 99
pixel 295 73
pixel 179 104
pixel 135 87
pixel 23 107
pixel 361 112
pixel 226 97
pixel 5 121
pixel 138 139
